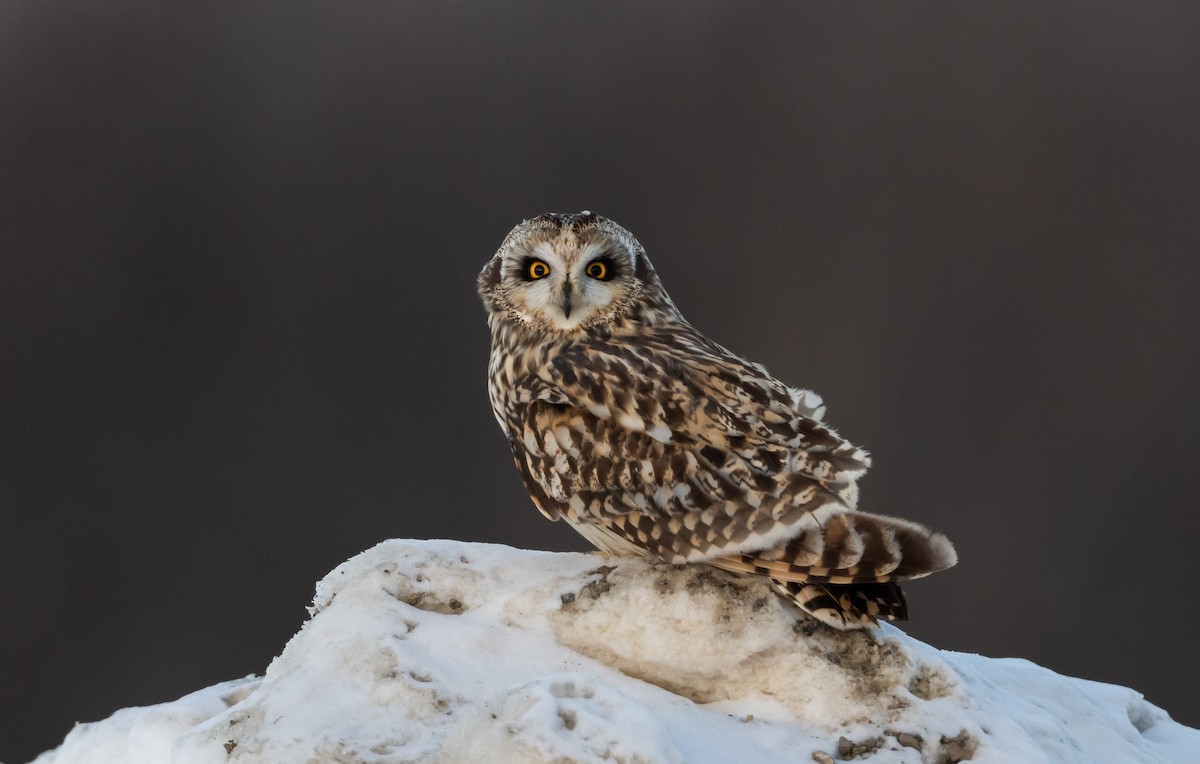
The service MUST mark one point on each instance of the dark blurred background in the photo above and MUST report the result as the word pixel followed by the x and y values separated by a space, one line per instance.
pixel 239 338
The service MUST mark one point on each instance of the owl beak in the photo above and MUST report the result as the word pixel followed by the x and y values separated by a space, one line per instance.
pixel 566 300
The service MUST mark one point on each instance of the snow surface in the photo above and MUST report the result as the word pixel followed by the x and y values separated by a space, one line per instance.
pixel 440 651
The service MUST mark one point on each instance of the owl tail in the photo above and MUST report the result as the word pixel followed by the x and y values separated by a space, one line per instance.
pixel 843 570
pixel 851 606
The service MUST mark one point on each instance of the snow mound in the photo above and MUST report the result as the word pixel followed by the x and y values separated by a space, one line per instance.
pixel 441 652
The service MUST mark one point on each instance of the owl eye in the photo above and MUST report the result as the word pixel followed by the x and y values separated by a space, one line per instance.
pixel 536 269
pixel 600 269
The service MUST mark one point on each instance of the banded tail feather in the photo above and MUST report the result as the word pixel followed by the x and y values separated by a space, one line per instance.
pixel 844 572
pixel 857 606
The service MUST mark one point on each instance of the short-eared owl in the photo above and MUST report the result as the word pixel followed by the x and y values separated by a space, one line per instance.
pixel 653 440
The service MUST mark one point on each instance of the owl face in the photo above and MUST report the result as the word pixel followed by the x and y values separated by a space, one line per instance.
pixel 563 273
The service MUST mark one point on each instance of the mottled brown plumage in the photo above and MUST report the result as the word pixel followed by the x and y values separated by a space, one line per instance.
pixel 650 439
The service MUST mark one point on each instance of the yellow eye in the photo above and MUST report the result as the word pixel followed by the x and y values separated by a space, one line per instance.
pixel 538 270
pixel 597 269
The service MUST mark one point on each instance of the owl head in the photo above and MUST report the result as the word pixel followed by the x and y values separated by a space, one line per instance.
pixel 565 273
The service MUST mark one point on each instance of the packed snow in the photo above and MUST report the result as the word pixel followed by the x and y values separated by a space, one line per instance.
pixel 440 652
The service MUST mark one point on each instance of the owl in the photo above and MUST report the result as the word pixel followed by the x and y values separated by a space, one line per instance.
pixel 652 440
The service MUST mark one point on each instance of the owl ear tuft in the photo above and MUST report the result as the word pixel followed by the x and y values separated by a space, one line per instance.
pixel 642 268
pixel 489 277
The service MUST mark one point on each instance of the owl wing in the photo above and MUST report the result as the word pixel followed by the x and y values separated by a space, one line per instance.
pixel 681 449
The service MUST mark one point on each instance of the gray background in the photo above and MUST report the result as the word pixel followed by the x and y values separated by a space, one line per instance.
pixel 239 339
